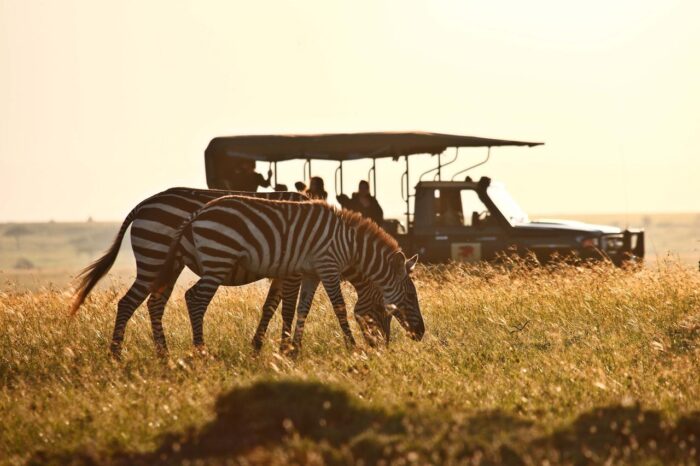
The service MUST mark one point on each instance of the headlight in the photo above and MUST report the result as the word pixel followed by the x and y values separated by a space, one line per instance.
pixel 589 242
pixel 613 243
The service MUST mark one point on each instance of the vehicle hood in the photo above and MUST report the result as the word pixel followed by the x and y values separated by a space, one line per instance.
pixel 566 225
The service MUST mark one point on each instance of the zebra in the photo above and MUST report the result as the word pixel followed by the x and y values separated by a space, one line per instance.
pixel 285 239
pixel 154 221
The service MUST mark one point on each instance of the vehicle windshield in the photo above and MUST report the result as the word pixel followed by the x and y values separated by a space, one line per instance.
pixel 508 207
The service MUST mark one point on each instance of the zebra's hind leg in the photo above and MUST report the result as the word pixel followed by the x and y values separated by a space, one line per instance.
pixel 274 296
pixel 331 282
pixel 125 309
pixel 308 290
pixel 156 308
pixel 198 298
pixel 290 295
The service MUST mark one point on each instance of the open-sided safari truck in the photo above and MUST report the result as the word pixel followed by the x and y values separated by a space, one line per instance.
pixel 457 219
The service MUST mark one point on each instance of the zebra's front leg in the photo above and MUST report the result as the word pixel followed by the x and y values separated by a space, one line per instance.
pixel 331 282
pixel 274 296
pixel 308 290
pixel 198 298
pixel 290 295
pixel 156 308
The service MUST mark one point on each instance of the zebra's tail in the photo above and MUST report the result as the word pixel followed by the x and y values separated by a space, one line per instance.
pixel 165 275
pixel 90 275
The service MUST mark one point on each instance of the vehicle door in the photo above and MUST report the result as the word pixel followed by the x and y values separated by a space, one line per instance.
pixel 465 228
pixel 482 236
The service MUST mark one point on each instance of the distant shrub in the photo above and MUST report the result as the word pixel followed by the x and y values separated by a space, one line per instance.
pixel 85 245
pixel 24 264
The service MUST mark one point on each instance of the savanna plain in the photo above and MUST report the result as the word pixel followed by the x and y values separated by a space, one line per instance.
pixel 519 365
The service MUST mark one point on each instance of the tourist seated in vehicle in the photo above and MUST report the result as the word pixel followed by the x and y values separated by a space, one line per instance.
pixel 483 219
pixel 363 202
pixel 316 189
pixel 240 175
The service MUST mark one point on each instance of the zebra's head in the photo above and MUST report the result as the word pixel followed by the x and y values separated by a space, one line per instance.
pixel 401 298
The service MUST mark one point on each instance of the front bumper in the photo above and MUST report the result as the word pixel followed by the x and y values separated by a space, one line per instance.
pixel 624 247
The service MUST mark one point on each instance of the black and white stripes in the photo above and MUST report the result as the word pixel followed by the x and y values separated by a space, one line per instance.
pixel 154 223
pixel 283 239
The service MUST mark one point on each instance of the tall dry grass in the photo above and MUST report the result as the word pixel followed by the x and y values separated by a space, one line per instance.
pixel 518 364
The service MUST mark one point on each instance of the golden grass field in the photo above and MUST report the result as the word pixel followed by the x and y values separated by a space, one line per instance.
pixel 563 365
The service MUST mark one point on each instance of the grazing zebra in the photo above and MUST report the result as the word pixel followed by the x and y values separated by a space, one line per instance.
pixel 283 239
pixel 154 222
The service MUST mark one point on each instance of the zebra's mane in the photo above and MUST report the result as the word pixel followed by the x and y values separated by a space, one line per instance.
pixel 366 226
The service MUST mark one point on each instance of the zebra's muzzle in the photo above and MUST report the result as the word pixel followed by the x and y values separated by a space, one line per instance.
pixel 415 330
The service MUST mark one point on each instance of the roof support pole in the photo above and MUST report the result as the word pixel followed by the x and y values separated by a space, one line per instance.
pixel 408 196
pixel 374 177
pixel 438 168
pixel 488 156
pixel 275 165
pixel 339 169
pixel 307 171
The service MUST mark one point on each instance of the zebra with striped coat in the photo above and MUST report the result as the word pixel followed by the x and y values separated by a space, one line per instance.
pixel 154 222
pixel 283 239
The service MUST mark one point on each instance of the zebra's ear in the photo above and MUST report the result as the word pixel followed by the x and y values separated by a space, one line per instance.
pixel 411 263
pixel 398 261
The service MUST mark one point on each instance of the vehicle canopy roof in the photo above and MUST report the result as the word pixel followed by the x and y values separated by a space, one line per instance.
pixel 448 184
pixel 344 146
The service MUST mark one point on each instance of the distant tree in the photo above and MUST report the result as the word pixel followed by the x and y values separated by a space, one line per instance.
pixel 18 231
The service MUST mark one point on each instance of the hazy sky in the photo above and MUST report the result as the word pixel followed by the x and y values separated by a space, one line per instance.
pixel 103 103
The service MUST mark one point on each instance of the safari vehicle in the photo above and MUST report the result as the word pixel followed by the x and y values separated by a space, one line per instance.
pixel 457 219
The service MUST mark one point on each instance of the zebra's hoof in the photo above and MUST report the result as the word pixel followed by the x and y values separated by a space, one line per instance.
pixel 116 354
pixel 288 349
pixel 294 352
pixel 372 341
pixel 257 344
pixel 201 350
